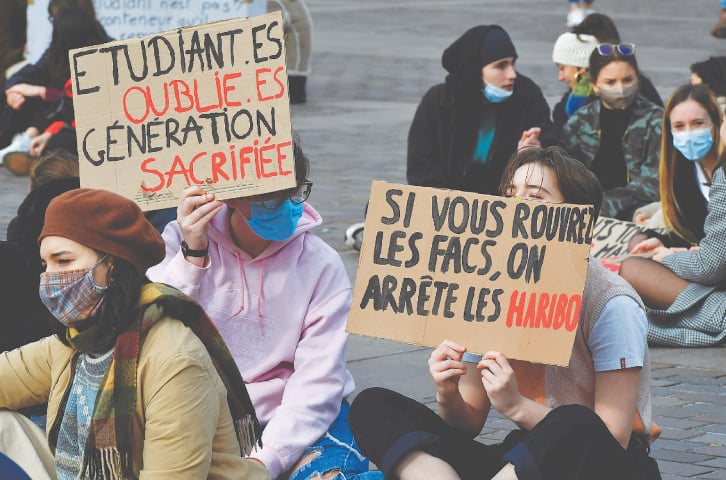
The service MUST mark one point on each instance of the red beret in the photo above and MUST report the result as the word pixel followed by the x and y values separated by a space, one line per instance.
pixel 106 222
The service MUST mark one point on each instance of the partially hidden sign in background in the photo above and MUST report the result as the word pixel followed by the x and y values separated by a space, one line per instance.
pixel 205 105
pixel 488 272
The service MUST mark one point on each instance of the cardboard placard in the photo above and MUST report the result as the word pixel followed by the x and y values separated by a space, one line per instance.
pixel 611 237
pixel 488 272
pixel 205 105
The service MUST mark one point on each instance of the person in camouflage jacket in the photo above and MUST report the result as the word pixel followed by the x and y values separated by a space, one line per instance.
pixel 641 147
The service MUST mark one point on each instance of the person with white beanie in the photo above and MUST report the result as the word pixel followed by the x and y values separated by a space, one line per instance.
pixel 571 54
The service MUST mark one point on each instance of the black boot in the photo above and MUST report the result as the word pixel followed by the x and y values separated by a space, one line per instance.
pixel 296 84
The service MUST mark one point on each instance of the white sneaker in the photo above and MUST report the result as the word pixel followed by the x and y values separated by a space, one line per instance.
pixel 575 17
pixel 354 235
pixel 20 143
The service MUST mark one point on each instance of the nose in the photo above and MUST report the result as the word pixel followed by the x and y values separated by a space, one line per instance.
pixel 511 73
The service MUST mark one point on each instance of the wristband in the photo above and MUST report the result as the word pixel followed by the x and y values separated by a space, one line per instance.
pixel 188 252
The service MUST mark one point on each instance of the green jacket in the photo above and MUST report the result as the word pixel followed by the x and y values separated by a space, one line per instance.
pixel 641 147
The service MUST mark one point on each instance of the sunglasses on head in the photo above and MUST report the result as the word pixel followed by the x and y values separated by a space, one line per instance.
pixel 624 49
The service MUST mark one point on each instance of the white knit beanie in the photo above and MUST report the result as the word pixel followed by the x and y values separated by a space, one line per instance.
pixel 574 50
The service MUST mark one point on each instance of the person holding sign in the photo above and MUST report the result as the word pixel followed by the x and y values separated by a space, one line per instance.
pixel 280 298
pixel 465 129
pixel 617 137
pixel 588 420
pixel 138 382
pixel 686 288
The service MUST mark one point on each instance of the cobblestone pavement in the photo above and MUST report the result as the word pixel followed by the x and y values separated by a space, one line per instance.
pixel 373 61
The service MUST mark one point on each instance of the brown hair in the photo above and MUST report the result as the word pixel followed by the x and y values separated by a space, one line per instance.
pixel 576 183
pixel 671 159
pixel 55 165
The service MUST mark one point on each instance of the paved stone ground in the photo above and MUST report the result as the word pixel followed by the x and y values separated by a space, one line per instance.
pixel 373 61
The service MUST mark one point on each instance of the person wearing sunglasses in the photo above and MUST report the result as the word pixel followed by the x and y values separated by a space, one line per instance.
pixel 618 136
pixel 603 28
pixel 465 129
pixel 280 298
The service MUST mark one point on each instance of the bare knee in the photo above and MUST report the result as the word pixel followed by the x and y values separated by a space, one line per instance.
pixel 309 458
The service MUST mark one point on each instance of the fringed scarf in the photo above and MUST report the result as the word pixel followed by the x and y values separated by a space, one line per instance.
pixel 107 454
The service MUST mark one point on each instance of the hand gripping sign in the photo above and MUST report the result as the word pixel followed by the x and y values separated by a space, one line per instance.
pixel 204 105
pixel 488 272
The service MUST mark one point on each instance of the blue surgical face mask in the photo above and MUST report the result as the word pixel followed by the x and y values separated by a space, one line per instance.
pixel 278 224
pixel 495 94
pixel 693 144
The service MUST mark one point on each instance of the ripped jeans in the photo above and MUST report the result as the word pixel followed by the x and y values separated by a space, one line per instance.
pixel 336 451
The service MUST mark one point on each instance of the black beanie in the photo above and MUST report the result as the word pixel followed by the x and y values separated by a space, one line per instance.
pixel 477 47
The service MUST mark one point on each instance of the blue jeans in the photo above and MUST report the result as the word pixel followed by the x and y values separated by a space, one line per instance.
pixel 336 450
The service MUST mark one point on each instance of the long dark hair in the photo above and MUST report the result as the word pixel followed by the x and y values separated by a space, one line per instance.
pixel 600 26
pixel 73 27
pixel 119 306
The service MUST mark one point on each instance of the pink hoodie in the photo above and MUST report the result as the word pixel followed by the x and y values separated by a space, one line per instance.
pixel 283 317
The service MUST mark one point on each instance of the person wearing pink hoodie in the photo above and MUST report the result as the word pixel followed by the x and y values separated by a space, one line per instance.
pixel 280 297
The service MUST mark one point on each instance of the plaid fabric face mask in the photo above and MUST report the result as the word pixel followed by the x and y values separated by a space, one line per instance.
pixel 71 296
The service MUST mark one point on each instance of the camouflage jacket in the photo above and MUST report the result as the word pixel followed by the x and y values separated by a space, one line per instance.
pixel 641 147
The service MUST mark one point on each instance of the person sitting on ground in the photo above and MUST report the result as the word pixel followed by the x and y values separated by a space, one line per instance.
pixel 280 297
pixel 712 73
pixel 138 382
pixel 465 129
pixel 689 156
pixel 618 136
pixel 590 420
pixel 50 176
pixel 603 28
pixel 571 54
pixel 36 90
pixel 685 289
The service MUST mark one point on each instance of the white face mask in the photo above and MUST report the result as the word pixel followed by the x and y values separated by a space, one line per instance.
pixel 618 98
pixel 495 94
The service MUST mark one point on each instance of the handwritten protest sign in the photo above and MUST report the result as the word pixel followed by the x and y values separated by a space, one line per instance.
pixel 488 272
pixel 205 105
pixel 611 237
pixel 124 19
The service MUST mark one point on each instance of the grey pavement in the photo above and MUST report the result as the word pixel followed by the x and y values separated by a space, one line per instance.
pixel 373 60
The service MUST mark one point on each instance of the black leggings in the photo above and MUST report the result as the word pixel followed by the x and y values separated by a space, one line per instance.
pixel 571 442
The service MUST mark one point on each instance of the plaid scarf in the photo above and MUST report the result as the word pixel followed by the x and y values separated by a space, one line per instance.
pixel 107 453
